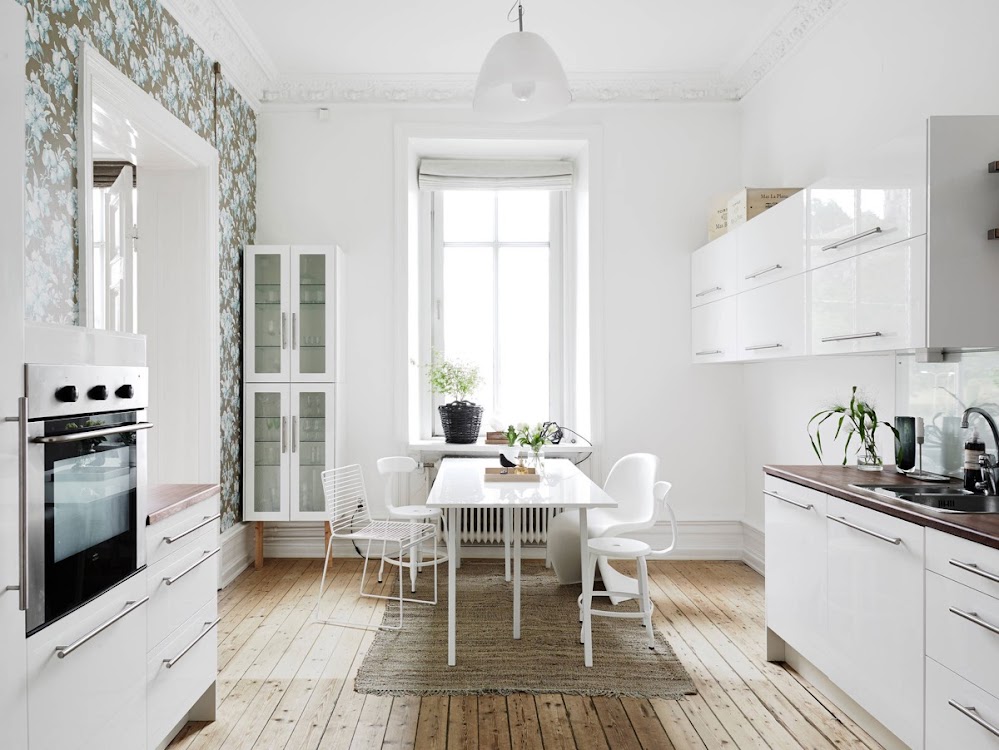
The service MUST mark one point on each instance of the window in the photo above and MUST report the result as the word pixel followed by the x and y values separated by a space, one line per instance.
pixel 497 298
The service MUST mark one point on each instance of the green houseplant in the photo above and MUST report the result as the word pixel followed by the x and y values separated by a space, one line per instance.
pixel 857 419
pixel 461 418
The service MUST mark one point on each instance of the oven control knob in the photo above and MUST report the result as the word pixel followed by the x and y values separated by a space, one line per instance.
pixel 125 391
pixel 67 394
pixel 98 393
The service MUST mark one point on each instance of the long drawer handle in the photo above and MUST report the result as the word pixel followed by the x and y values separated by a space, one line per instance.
pixel 63 651
pixel 973 617
pixel 706 292
pixel 851 336
pixel 973 568
pixel 181 535
pixel 708 352
pixel 208 629
pixel 854 238
pixel 876 535
pixel 761 272
pixel 77 437
pixel 972 714
pixel 209 554
pixel 759 347
pixel 789 501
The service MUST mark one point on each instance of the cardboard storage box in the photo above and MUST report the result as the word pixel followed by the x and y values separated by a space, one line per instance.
pixel 750 202
pixel 718 217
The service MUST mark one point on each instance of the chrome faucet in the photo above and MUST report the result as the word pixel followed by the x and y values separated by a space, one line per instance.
pixel 990 468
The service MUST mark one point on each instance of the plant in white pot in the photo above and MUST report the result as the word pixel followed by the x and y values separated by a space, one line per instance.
pixel 461 418
pixel 857 419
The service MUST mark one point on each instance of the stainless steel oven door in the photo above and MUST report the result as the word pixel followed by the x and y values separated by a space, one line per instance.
pixel 85 511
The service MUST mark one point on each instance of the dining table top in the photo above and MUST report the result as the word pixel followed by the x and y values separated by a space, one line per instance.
pixel 461 483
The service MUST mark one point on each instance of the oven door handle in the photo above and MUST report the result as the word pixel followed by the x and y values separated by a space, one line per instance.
pixel 78 436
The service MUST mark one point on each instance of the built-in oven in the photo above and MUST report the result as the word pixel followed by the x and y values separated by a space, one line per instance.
pixel 86 484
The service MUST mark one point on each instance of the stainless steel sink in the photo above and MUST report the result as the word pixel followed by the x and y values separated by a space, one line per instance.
pixel 949 499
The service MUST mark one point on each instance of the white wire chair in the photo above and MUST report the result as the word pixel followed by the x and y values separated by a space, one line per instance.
pixel 347 510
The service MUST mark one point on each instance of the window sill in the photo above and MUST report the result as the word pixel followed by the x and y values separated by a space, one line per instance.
pixel 439 447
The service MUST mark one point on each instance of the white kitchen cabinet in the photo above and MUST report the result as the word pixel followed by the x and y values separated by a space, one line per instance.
pixel 795 523
pixel 870 302
pixel 772 245
pixel 959 714
pixel 771 320
pixel 289 433
pixel 964 561
pixel 713 336
pixel 875 614
pixel 713 271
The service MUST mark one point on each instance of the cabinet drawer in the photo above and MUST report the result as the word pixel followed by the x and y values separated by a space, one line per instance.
pixel 183 528
pixel 713 331
pixel 962 630
pixel 172 690
pixel 179 586
pixel 771 320
pixel 713 270
pixel 947 726
pixel 771 246
pixel 93 697
pixel 784 489
pixel 972 564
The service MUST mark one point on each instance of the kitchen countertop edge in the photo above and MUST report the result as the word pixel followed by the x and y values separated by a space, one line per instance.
pixel 164 500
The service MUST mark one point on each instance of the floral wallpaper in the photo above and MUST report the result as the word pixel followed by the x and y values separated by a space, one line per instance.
pixel 147 44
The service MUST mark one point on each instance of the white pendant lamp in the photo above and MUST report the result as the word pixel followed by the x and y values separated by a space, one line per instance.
pixel 521 79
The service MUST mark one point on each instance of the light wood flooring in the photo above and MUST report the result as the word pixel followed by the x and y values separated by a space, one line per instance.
pixel 286 682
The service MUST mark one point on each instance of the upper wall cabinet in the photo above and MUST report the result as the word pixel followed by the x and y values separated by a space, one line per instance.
pixel 713 272
pixel 771 246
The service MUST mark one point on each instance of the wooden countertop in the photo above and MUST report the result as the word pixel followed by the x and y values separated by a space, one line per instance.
pixel 163 500
pixel 836 480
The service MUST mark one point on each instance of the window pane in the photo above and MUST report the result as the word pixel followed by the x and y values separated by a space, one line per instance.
pixel 469 216
pixel 523 216
pixel 468 314
pixel 523 335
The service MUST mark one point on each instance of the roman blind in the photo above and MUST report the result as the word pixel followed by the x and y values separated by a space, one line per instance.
pixel 495 174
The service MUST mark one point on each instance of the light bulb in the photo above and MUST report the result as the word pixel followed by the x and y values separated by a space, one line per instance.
pixel 523 90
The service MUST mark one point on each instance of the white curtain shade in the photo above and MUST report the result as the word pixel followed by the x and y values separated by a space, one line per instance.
pixel 495 174
pixel 521 80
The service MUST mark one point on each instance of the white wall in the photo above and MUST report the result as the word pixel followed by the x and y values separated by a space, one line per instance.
pixel 875 69
pixel 323 181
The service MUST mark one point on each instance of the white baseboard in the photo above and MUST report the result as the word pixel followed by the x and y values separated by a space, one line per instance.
pixel 753 547
pixel 237 552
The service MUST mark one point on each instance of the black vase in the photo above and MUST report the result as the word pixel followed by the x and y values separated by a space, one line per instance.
pixel 905 447
pixel 461 421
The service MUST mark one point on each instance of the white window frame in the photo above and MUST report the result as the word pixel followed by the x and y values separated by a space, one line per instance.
pixel 431 216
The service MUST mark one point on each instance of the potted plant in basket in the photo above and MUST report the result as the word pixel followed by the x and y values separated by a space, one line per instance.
pixel 461 418
pixel 857 419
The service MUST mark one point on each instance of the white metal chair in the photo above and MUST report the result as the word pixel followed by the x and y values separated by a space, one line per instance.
pixel 347 509
pixel 621 548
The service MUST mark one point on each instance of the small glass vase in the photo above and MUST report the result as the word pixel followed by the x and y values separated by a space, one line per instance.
pixel 869 460
pixel 535 460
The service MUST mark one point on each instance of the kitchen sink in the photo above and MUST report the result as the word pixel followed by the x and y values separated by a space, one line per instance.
pixel 950 499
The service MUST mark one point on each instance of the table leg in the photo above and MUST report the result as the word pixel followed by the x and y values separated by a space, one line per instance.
pixel 507 514
pixel 584 539
pixel 456 549
pixel 515 530
pixel 452 541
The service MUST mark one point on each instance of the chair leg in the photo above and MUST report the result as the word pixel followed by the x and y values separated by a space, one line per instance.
pixel 381 568
pixel 589 569
pixel 414 557
pixel 322 581
pixel 400 586
pixel 646 600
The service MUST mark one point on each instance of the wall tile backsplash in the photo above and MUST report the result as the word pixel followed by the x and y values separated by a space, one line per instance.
pixel 939 393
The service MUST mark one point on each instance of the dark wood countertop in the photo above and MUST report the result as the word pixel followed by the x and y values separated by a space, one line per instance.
pixel 163 500
pixel 836 480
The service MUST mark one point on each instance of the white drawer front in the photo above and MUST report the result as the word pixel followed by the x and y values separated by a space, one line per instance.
pixel 771 245
pixel 180 585
pixel 972 564
pixel 950 728
pixel 962 630
pixel 712 271
pixel 181 528
pixel 172 690
pixel 799 493
pixel 772 320
pixel 713 332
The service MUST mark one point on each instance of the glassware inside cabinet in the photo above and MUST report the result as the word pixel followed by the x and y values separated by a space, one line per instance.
pixel 312 314
pixel 267 313
pixel 312 450
pixel 267 452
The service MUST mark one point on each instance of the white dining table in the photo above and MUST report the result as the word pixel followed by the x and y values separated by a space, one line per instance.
pixel 461 483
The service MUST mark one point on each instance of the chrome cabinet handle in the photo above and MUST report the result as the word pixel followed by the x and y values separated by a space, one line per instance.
pixel 973 617
pixel 63 651
pixel 294 330
pixel 759 347
pixel 775 267
pixel 22 502
pixel 876 535
pixel 973 568
pixel 78 436
pixel 284 330
pixel 972 714
pixel 294 434
pixel 854 238
pixel 207 520
pixel 706 292
pixel 849 336
pixel 284 434
pixel 708 352
pixel 209 554
pixel 789 501
pixel 208 629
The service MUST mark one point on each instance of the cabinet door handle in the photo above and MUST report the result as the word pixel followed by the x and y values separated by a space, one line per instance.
pixel 294 330
pixel 708 352
pixel 875 534
pixel 704 293
pixel 973 568
pixel 294 434
pixel 972 714
pixel 789 501
pixel 284 434
pixel 284 330
pixel 207 520
pixel 854 238
pixel 973 617
pixel 208 629
pixel 63 651
pixel 208 555
pixel 850 336
pixel 22 502
pixel 760 347
pixel 761 272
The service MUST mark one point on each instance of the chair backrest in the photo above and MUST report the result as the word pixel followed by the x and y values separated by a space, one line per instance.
pixel 397 470
pixel 630 482
pixel 346 500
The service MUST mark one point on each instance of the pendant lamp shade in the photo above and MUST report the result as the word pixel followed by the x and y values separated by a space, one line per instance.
pixel 521 80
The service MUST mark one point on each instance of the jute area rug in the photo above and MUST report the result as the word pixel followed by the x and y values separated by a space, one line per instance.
pixel 547 659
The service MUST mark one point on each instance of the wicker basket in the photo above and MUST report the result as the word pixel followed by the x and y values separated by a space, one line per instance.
pixel 461 421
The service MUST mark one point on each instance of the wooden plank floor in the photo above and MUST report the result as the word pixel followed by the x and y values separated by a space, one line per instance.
pixel 286 682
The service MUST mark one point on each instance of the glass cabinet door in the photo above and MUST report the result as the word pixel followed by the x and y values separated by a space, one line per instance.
pixel 311 449
pixel 267 445
pixel 313 304
pixel 266 319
